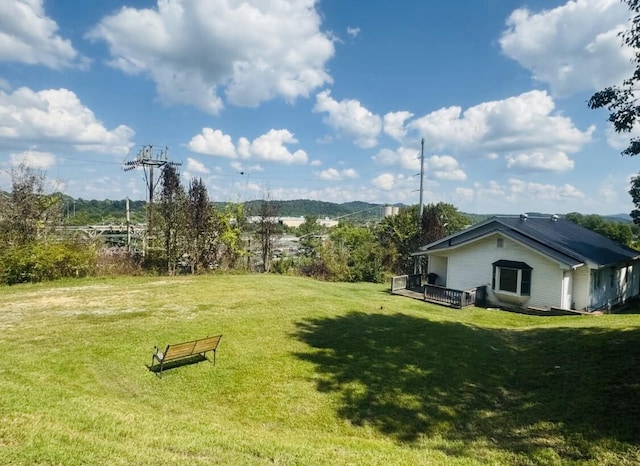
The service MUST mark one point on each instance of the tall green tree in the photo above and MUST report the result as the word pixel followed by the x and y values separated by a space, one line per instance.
pixel 353 255
pixel 622 101
pixel 172 201
pixel 399 236
pixel 402 234
pixel 267 230
pixel 199 231
pixel 440 220
pixel 230 224
pixel 309 233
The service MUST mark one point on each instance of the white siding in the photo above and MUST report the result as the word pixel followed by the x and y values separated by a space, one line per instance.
pixel 470 266
pixel 438 265
pixel 581 283
pixel 616 286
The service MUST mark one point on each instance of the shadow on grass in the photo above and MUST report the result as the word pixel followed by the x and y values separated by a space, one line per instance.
pixel 519 391
pixel 177 363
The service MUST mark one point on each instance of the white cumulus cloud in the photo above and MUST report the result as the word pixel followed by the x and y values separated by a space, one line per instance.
pixel 252 51
pixel 406 157
pixel 540 161
pixel 28 36
pixel 350 118
pixel 394 124
pixel 519 189
pixel 523 124
pixel 271 147
pixel 33 159
pixel 57 116
pixel 384 181
pixel 573 47
pixel 333 174
pixel 444 167
pixel 196 166
pixel 212 142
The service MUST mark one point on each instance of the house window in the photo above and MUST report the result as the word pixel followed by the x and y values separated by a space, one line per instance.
pixel 500 243
pixel 512 277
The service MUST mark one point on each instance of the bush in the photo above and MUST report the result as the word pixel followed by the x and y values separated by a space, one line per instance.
pixel 47 260
pixel 118 261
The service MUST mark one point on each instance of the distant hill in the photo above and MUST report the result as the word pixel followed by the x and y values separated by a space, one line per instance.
pixel 322 209
pixel 84 212
pixel 623 218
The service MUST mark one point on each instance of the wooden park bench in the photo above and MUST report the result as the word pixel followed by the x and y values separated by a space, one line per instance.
pixel 183 351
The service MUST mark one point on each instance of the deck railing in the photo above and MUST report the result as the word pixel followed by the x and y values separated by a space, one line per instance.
pixel 406 282
pixel 455 298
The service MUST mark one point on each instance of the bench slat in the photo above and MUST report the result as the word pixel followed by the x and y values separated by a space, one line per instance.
pixel 206 344
pixel 181 350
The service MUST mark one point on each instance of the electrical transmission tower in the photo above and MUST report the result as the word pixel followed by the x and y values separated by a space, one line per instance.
pixel 149 158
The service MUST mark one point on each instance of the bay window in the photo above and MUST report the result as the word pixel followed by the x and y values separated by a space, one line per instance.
pixel 512 277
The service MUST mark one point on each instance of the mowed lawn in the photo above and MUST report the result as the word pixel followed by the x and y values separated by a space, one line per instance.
pixel 307 373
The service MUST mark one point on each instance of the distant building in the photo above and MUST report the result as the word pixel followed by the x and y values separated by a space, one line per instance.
pixel 295 222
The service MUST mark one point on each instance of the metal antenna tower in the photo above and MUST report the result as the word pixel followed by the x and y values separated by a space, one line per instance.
pixel 149 158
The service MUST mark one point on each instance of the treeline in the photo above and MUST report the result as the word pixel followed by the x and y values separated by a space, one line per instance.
pixel 187 233
pixel 91 212
pixel 622 232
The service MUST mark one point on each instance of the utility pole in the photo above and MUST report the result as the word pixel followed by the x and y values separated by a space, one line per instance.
pixel 147 158
pixel 128 226
pixel 418 265
pixel 421 208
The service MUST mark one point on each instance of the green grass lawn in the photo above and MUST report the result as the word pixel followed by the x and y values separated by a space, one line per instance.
pixel 307 373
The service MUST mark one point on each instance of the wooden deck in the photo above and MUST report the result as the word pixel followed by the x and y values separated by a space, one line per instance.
pixel 409 294
pixel 411 286
pixel 419 294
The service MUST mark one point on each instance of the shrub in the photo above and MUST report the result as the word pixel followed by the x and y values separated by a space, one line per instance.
pixel 118 261
pixel 47 260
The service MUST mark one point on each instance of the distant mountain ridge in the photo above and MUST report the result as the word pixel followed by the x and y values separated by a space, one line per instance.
pixel 82 211
pixel 322 209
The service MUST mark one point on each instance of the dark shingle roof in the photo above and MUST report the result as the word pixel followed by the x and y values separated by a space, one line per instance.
pixel 555 237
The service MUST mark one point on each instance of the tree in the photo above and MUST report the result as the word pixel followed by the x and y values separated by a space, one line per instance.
pixel 229 225
pixel 353 255
pixel 620 100
pixel 616 231
pixel 28 219
pixel 172 215
pixel 440 220
pixel 309 234
pixel 622 103
pixel 199 225
pixel 28 212
pixel 399 236
pixel 268 228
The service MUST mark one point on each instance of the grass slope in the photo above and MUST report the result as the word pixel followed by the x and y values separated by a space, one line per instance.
pixel 307 373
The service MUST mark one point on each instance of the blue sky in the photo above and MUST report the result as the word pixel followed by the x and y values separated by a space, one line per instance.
pixel 325 100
